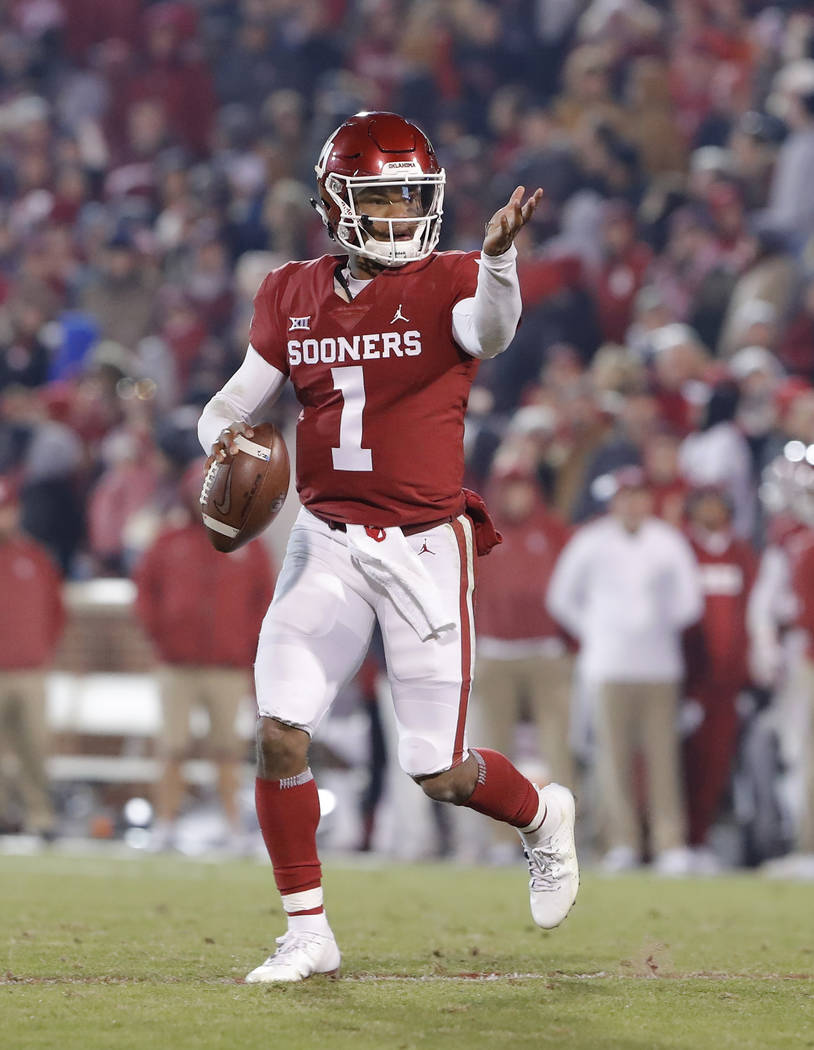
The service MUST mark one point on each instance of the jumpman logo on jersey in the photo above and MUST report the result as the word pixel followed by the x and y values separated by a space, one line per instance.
pixel 425 549
pixel 375 533
pixel 399 316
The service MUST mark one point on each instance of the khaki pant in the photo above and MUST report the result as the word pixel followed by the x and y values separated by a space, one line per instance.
pixel 546 681
pixel 805 829
pixel 220 690
pixel 631 718
pixel 23 724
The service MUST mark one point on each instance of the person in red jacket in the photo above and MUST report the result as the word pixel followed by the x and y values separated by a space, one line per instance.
pixel 31 621
pixel 202 610
pixel 716 652
pixel 625 260
pixel 522 653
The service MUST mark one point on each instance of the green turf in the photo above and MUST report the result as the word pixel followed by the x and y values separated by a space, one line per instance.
pixel 107 954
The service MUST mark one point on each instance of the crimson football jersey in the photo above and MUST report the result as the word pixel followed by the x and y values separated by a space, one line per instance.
pixel 382 384
pixel 716 647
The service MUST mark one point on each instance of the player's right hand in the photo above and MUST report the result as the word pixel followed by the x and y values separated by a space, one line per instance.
pixel 225 445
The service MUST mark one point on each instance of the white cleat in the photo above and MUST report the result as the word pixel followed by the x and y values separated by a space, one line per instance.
pixel 299 955
pixel 552 859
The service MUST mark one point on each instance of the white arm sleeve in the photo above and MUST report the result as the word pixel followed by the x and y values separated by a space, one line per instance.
pixel 256 384
pixel 484 325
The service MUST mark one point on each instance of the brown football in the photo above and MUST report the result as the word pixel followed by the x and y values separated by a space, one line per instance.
pixel 242 495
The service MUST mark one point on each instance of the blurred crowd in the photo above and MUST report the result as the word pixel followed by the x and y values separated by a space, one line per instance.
pixel 156 160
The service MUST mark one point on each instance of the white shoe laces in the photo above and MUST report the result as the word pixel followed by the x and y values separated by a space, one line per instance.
pixel 543 868
pixel 293 941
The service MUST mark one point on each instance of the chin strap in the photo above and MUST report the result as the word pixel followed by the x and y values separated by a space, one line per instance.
pixel 322 212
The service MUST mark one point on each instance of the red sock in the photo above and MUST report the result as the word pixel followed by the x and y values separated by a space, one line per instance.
pixel 502 792
pixel 288 813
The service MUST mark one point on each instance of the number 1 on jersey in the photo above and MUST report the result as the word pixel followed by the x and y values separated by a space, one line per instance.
pixel 350 455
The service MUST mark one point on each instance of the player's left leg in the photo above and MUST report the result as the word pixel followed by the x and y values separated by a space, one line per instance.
pixel 430 682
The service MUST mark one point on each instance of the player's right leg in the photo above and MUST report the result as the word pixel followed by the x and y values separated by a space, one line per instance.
pixel 312 641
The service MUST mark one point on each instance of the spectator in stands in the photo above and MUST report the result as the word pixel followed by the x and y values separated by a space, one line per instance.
pixel 652 117
pixel 24 357
pixel 753 145
pixel 796 349
pixel 587 97
pixel 719 454
pixel 31 621
pixel 679 370
pixel 47 456
pixel 650 312
pixel 794 421
pixel 636 422
pixel 724 202
pixel 250 69
pixel 756 324
pixel 791 197
pixel 689 255
pixel 625 261
pixel 768 278
pixel 202 611
pixel 122 295
pixel 524 667
pixel 626 586
pixel 175 73
pixel 544 156
pixel 128 483
pixel 716 651
pixel 758 375
pixel 668 489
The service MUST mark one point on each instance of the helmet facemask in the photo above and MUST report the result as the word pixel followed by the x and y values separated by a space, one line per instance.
pixel 382 239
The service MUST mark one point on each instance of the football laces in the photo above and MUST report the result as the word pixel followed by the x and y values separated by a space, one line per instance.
pixel 209 481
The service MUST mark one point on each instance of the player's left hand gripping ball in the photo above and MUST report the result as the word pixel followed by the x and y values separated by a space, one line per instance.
pixel 245 488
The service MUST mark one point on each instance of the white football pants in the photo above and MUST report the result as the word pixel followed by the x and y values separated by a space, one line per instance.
pixel 318 628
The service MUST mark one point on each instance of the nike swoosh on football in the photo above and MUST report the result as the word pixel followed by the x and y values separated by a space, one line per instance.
pixel 225 505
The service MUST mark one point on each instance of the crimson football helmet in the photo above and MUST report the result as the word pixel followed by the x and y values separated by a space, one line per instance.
pixel 380 149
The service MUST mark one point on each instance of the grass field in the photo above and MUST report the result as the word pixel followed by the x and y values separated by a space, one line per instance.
pixel 106 954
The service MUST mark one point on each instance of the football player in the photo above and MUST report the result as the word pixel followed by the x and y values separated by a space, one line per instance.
pixel 381 344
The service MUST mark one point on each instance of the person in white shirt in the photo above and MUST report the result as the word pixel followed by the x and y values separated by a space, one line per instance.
pixel 626 585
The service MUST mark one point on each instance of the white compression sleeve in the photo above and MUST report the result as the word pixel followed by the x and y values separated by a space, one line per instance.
pixel 484 325
pixel 254 385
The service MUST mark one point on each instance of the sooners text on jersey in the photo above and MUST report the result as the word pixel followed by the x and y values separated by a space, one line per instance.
pixel 382 384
